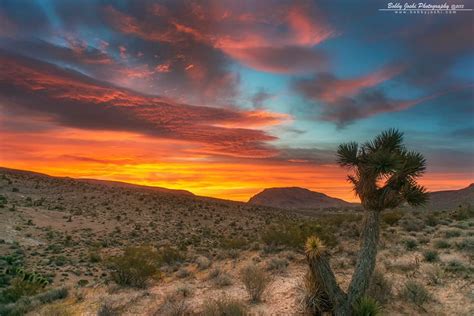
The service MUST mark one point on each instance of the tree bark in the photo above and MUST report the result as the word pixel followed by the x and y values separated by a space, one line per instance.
pixel 319 265
pixel 366 258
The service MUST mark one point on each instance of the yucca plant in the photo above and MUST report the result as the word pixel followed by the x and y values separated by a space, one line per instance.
pixel 383 175
pixel 367 306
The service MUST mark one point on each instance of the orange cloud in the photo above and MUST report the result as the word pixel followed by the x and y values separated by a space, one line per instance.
pixel 74 100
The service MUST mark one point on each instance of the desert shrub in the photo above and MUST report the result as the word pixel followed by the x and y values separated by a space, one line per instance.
pixel 455 266
pixel 183 273
pixel 367 306
pixel 19 288
pixel 224 306
pixel 233 243
pixel 411 244
pixel 174 305
pixel 52 295
pixel 135 266
pixel 184 290
pixel 467 245
pixel 220 278
pixel 337 220
pixel 108 309
pixel 442 244
pixel 431 255
pixel 431 220
pixel 170 256
pixel 412 224
pixel 380 288
pixel 435 275
pixel 313 299
pixel 415 293
pixel 293 234
pixel 423 240
pixel 94 256
pixel 57 310
pixel 28 303
pixel 392 217
pixel 452 233
pixel 277 264
pixel 464 212
pixel 255 281
pixel 203 262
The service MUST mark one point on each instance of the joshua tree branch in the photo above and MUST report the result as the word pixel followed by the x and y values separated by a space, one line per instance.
pixel 366 257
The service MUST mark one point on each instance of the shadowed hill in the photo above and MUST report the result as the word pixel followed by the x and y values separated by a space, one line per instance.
pixel 443 200
pixel 297 198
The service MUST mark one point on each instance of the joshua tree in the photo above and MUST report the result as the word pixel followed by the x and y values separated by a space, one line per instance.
pixel 383 173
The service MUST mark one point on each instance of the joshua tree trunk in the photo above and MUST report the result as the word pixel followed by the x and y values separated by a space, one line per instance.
pixel 366 257
pixel 319 265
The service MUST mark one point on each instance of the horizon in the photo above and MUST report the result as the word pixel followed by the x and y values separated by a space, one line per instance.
pixel 204 196
pixel 225 99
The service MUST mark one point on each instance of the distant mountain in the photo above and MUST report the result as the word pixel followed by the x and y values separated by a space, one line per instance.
pixel 108 183
pixel 296 198
pixel 443 200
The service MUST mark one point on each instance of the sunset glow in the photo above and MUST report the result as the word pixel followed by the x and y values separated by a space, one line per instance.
pixel 226 98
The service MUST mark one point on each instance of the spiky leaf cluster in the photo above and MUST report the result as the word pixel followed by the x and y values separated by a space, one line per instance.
pixel 384 171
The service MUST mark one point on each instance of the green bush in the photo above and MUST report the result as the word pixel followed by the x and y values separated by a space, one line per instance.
pixel 411 244
pixel 293 235
pixel 233 243
pixel 170 256
pixel 452 233
pixel 415 293
pixel 412 224
pixel 391 218
pixel 431 220
pixel 442 244
pixel 455 266
pixel 431 256
pixel 255 281
pixel 467 245
pixel 367 306
pixel 224 306
pixel 135 266
pixel 19 288
pixel 28 303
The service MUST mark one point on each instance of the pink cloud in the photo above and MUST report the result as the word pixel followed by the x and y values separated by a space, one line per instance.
pixel 252 36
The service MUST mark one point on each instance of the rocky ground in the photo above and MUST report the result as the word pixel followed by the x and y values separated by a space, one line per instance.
pixel 66 231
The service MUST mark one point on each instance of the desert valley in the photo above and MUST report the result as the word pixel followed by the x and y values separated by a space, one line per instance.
pixel 67 233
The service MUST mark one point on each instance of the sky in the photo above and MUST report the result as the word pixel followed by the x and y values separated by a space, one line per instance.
pixel 226 98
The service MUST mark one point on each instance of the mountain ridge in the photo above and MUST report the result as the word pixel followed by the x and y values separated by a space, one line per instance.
pixel 297 198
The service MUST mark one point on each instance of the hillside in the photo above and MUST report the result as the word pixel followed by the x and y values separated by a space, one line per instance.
pixel 70 232
pixel 297 198
pixel 452 199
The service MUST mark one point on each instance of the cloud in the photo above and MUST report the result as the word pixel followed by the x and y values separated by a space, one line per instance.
pixel 259 98
pixel 328 88
pixel 366 104
pixel 279 41
pixel 435 46
pixel 286 59
pixel 75 100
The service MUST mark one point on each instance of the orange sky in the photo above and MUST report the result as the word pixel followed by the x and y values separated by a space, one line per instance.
pixel 226 98
pixel 144 160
